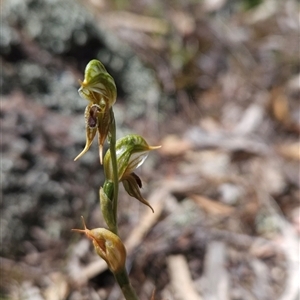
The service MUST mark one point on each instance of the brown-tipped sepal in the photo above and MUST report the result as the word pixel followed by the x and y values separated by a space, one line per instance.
pixel 108 246
pixel 95 120
pixel 91 116
pixel 132 184
pixel 103 130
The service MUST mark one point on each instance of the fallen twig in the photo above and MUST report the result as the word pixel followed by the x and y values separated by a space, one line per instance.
pixel 181 280
pixel 216 280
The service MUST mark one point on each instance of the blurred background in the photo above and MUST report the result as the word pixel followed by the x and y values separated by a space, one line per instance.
pixel 216 83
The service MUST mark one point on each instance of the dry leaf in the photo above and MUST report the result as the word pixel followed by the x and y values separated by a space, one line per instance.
pixel 58 289
pixel 173 145
pixel 212 207
pixel 290 151
pixel 279 106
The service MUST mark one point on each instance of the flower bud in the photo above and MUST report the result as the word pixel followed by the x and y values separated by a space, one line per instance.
pixel 108 246
pixel 106 206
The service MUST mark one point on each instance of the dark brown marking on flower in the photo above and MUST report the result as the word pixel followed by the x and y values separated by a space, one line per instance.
pixel 137 179
pixel 93 116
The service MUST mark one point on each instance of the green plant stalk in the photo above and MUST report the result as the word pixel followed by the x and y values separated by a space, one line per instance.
pixel 122 276
pixel 125 285
pixel 112 147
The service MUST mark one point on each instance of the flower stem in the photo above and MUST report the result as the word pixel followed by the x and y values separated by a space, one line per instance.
pixel 122 276
pixel 125 285
pixel 112 147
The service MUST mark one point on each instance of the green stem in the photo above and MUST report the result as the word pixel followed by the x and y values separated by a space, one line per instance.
pixel 125 285
pixel 122 276
pixel 112 147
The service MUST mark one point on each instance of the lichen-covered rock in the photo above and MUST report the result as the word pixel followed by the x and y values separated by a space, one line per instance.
pixel 45 42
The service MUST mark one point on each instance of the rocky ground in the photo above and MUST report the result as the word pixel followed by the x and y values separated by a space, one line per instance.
pixel 216 83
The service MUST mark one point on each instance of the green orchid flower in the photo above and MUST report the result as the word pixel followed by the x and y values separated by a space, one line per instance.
pixel 99 88
pixel 131 152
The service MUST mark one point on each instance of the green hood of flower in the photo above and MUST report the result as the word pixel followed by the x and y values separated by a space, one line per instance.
pixel 131 151
pixel 98 85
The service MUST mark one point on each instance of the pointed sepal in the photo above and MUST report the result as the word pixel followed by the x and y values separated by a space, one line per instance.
pixel 132 184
